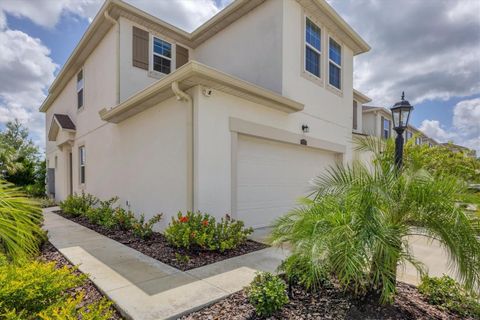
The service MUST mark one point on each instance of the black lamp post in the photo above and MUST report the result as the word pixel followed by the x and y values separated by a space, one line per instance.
pixel 400 114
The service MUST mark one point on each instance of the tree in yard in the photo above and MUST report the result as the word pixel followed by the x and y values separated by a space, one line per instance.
pixel 19 158
pixel 357 222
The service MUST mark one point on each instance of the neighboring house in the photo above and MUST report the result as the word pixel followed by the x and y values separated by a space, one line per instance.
pixel 377 121
pixel 457 148
pixel 235 117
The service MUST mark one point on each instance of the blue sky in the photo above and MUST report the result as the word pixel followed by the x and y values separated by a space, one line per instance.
pixel 69 29
pixel 428 48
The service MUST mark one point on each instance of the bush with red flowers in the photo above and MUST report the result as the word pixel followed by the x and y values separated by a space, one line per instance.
pixel 199 231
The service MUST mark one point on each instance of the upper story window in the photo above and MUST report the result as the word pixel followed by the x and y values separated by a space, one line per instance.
pixel 313 49
pixel 385 128
pixel 355 113
pixel 82 163
pixel 80 84
pixel 335 64
pixel 418 141
pixel 162 56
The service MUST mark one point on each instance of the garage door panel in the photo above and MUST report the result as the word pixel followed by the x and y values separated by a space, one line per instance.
pixel 271 176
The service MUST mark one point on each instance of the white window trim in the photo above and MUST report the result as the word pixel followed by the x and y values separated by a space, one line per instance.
pixel 339 66
pixel 82 70
pixel 306 44
pixel 153 72
pixel 82 184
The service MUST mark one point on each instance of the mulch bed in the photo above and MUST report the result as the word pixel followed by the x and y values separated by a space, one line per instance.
pixel 329 303
pixel 158 248
pixel 92 294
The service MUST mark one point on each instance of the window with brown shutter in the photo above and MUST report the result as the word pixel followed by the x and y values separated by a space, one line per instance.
pixel 355 106
pixel 181 56
pixel 140 48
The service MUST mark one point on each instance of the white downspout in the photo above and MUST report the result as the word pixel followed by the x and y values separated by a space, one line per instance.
pixel 183 96
pixel 117 54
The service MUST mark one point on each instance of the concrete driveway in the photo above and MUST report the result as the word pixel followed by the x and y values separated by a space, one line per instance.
pixel 427 251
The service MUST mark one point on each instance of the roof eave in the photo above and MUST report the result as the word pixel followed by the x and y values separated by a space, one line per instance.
pixel 196 74
pixel 362 45
pixel 63 73
pixel 362 98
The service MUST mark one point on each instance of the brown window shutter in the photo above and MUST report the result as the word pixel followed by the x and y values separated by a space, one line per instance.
pixel 181 56
pixel 355 106
pixel 140 46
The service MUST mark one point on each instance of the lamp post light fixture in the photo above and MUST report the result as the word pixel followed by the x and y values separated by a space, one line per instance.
pixel 400 114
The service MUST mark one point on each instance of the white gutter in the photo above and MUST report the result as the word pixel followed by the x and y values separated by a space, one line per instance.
pixel 117 54
pixel 183 96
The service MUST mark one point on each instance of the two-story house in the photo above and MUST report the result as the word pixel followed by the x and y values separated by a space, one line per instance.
pixel 377 121
pixel 235 117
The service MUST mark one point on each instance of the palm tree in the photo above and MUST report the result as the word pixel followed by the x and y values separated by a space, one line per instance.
pixel 357 222
pixel 20 220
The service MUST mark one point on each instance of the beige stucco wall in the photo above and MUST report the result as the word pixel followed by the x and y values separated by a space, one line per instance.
pixel 331 109
pixel 99 72
pixel 142 160
pixel 213 142
pixel 250 48
pixel 369 122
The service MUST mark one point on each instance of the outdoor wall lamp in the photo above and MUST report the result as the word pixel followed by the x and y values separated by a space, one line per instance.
pixel 400 114
pixel 305 128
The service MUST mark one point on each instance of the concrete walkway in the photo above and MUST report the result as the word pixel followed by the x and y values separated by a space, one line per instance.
pixel 143 288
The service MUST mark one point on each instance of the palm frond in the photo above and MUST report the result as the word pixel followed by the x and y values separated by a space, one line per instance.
pixel 20 219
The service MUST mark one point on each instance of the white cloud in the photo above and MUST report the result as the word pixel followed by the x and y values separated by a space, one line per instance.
pixel 47 13
pixel 26 70
pixel 3 21
pixel 430 58
pixel 434 129
pixel 466 125
pixel 466 116
pixel 186 14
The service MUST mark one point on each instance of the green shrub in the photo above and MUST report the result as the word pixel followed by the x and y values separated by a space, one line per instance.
pixel 72 309
pixel 35 190
pixel 446 293
pixel 38 290
pixel 144 229
pixel 201 231
pixel 45 202
pixel 34 286
pixel 357 220
pixel 77 205
pixel 103 214
pixel 182 258
pixel 267 293
pixel 125 219
pixel 301 270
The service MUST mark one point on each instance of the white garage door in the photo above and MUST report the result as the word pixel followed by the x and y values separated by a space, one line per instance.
pixel 272 175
